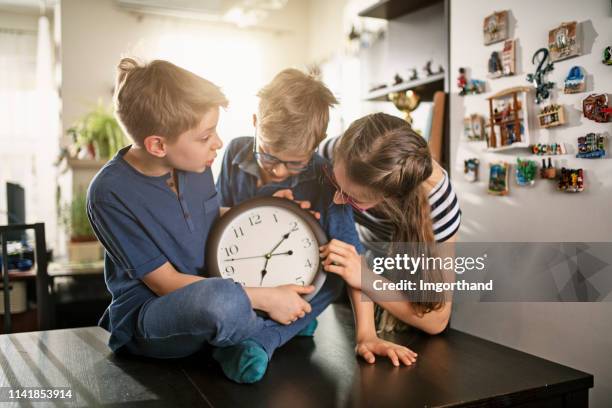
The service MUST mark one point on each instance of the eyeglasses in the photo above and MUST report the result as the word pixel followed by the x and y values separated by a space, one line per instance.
pixel 345 197
pixel 269 162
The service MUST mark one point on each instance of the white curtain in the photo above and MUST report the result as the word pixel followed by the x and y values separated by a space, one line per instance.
pixel 29 121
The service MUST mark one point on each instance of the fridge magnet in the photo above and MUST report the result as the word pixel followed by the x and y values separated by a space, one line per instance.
pixel 574 82
pixel 508 118
pixel 498 178
pixel 495 65
pixel 551 116
pixel 525 172
pixel 607 56
pixel 595 107
pixel 571 180
pixel 548 171
pixel 553 149
pixel 508 58
pixel 502 63
pixel 495 27
pixel 542 87
pixel 469 86
pixel 591 146
pixel 473 127
pixel 470 169
pixel 563 41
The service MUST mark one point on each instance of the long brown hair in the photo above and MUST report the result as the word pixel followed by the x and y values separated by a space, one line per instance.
pixel 382 153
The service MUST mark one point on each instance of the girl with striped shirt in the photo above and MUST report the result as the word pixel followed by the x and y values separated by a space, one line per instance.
pixel 384 170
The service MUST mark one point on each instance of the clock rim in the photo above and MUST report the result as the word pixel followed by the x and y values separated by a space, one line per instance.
pixel 222 222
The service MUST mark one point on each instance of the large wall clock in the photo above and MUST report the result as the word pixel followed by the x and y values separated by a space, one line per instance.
pixel 266 242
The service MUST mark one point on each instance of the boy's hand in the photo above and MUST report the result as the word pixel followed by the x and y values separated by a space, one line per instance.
pixel 285 304
pixel 288 194
pixel 343 260
pixel 373 345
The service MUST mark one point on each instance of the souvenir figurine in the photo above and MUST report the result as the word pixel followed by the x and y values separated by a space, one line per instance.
pixel 495 27
pixel 473 127
pixel 414 76
pixel 571 180
pixel 574 82
pixel 469 86
pixel 591 146
pixel 470 169
pixel 607 56
pixel 537 78
pixel 397 79
pixel 595 107
pixel 551 116
pixel 563 41
pixel 498 178
pixel 525 172
pixel 427 69
pixel 495 65
pixel 548 172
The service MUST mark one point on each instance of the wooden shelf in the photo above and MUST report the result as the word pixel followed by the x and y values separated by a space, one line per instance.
pixel 72 163
pixel 390 9
pixel 424 87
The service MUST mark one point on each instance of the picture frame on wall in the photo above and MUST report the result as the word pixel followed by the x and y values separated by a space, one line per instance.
pixel 564 41
pixel 495 27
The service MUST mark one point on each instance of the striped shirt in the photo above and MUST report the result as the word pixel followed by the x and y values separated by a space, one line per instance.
pixel 444 207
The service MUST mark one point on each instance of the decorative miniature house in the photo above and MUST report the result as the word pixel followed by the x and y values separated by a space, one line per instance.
pixel 591 146
pixel 508 124
pixel 495 27
pixel 551 116
pixel 563 41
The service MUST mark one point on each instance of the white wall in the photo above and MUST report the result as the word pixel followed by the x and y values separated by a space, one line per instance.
pixel 578 335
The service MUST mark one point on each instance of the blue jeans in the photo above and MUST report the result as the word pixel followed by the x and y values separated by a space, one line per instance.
pixel 218 312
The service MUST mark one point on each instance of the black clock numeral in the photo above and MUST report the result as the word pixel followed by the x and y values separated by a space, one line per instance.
pixel 229 270
pixel 300 281
pixel 308 264
pixel 275 218
pixel 294 226
pixel 231 250
pixel 307 242
pixel 255 219
pixel 238 232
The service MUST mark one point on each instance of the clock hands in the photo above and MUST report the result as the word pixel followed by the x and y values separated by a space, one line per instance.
pixel 259 256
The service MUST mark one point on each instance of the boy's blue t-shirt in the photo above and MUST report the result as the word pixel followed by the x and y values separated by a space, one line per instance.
pixel 142 223
pixel 238 182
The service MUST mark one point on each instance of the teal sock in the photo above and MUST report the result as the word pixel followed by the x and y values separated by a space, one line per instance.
pixel 245 362
pixel 309 330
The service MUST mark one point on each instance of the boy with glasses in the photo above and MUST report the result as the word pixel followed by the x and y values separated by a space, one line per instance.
pixel 280 160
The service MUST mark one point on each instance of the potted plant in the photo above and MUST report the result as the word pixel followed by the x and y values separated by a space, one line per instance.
pixel 83 245
pixel 98 133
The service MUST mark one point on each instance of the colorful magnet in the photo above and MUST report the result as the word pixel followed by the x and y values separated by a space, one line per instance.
pixel 498 178
pixel 571 180
pixel 591 146
pixel 525 172
pixel 470 169
pixel 574 82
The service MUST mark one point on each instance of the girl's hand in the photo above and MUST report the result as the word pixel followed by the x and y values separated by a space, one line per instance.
pixel 370 346
pixel 343 260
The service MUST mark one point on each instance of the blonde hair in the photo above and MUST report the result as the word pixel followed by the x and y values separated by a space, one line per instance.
pixel 294 111
pixel 160 98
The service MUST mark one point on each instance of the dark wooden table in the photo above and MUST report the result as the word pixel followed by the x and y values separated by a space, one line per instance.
pixel 453 369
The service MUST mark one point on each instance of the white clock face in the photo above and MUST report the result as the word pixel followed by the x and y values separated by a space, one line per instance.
pixel 268 246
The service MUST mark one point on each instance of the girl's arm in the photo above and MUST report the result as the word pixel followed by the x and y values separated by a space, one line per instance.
pixel 368 342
